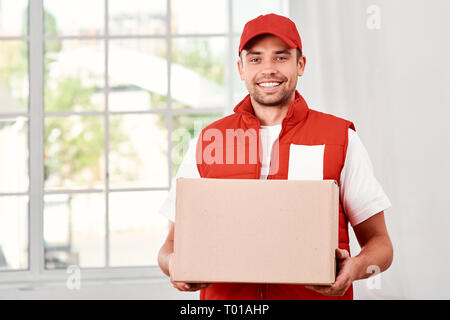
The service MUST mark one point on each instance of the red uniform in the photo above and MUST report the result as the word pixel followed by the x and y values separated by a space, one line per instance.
pixel 301 126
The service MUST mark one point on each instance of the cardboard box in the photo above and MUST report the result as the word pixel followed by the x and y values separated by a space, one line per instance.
pixel 256 231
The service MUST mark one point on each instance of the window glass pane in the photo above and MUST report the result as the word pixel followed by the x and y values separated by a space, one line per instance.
pixel 74 230
pixel 137 17
pixel 14 155
pixel 74 75
pixel 13 18
pixel 243 11
pixel 138 151
pixel 74 152
pixel 199 16
pixel 74 17
pixel 13 76
pixel 13 233
pixel 198 73
pixel 137 74
pixel 137 230
pixel 185 128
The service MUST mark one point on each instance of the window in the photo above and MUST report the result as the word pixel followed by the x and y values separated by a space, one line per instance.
pixel 14 133
pixel 96 98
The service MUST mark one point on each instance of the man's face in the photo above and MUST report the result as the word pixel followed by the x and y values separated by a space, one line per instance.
pixel 270 70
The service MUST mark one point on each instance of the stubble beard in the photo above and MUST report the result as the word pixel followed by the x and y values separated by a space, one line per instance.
pixel 268 99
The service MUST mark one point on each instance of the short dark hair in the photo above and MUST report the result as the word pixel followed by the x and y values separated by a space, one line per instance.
pixel 299 54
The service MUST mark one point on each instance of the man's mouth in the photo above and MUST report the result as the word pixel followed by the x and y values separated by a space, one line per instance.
pixel 269 84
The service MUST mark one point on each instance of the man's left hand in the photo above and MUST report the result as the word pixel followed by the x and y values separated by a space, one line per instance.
pixel 347 274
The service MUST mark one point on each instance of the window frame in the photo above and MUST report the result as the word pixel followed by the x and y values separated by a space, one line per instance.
pixel 36 272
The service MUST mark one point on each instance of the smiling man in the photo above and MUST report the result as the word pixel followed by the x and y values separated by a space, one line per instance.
pixel 297 143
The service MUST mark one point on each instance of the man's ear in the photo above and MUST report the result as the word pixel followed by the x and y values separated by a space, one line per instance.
pixel 301 65
pixel 241 69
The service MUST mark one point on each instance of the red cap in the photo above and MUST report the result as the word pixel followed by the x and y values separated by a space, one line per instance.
pixel 279 26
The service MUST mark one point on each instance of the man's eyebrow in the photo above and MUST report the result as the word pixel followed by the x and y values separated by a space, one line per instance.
pixel 283 52
pixel 253 53
pixel 257 53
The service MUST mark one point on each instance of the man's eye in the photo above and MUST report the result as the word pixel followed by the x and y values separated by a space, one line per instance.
pixel 254 60
pixel 281 58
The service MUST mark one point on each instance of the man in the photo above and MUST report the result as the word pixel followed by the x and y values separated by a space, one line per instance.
pixel 308 145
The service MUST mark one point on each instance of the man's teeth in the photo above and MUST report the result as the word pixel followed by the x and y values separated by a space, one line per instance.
pixel 269 84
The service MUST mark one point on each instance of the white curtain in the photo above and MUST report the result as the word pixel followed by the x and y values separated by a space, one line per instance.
pixel 385 65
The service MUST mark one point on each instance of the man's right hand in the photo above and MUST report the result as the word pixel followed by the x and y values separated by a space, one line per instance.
pixel 183 286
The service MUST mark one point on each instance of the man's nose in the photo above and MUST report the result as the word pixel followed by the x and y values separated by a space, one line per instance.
pixel 268 67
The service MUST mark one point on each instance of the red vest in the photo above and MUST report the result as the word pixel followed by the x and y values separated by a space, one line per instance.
pixel 301 126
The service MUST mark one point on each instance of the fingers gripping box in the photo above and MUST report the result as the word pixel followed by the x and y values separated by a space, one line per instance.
pixel 256 231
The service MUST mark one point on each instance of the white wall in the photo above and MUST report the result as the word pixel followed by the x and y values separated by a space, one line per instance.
pixel 393 84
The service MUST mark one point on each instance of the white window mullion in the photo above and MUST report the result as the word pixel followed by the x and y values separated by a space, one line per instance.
pixel 13 114
pixel 36 137
pixel 204 110
pixel 229 61
pixel 169 113
pixel 126 37
pixel 107 242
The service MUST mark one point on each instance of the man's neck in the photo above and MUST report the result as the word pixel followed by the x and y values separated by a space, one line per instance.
pixel 271 115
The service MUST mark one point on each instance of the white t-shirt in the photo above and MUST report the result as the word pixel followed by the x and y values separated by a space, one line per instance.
pixel 361 194
pixel 268 134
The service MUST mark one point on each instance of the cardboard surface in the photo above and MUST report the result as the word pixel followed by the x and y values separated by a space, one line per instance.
pixel 256 231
